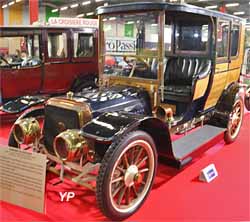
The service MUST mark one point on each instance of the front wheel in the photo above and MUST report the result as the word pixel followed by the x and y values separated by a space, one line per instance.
pixel 126 175
pixel 235 121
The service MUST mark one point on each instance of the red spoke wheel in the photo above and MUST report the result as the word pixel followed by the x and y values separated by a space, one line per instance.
pixel 126 175
pixel 235 121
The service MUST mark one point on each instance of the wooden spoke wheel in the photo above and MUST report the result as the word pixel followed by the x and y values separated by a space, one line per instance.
pixel 126 175
pixel 247 99
pixel 235 121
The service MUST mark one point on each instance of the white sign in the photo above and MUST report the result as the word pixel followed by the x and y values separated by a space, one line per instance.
pixel 88 23
pixel 208 173
pixel 120 45
pixel 22 178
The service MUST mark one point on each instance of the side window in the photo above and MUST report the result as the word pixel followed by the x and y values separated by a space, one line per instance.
pixel 192 36
pixel 22 51
pixel 83 45
pixel 57 45
pixel 222 39
pixel 36 45
pixel 235 33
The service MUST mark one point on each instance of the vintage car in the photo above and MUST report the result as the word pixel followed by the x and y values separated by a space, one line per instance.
pixel 52 59
pixel 164 69
pixel 245 76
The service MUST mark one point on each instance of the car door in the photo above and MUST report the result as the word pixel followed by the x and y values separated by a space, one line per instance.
pixel 57 61
pixel 235 59
pixel 222 63
pixel 22 75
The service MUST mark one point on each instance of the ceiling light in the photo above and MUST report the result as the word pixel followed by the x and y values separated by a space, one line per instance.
pixel 18 1
pixel 130 22
pixel 239 13
pixel 64 8
pixel 54 10
pixel 86 3
pixel 112 18
pixel 90 13
pixel 11 3
pixel 106 4
pixel 99 0
pixel 74 6
pixel 212 7
pixel 232 4
pixel 4 6
pixel 80 15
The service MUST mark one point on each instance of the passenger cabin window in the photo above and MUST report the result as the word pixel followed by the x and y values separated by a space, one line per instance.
pixel 57 45
pixel 83 45
pixel 235 33
pixel 19 51
pixel 222 39
pixel 192 36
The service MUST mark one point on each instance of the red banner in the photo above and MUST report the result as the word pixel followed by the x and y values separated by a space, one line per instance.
pixel 34 10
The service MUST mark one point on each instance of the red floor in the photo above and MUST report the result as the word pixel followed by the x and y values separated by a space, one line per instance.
pixel 176 195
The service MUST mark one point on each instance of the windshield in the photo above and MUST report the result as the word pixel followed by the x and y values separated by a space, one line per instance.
pixel 131 45
pixel 20 51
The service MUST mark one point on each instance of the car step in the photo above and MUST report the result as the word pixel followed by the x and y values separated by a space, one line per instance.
pixel 185 146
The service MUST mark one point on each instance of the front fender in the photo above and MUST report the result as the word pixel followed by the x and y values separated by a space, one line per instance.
pixel 107 127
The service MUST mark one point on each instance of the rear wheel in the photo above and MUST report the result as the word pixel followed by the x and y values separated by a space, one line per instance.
pixel 126 175
pixel 235 121
pixel 247 99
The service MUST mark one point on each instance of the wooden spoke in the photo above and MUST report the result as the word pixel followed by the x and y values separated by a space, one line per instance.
pixel 125 160
pixel 143 170
pixel 117 190
pixel 121 195
pixel 138 155
pixel 117 179
pixel 134 189
pixel 120 169
pixel 142 161
pixel 128 195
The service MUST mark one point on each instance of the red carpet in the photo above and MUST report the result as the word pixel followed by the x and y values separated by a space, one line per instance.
pixel 176 195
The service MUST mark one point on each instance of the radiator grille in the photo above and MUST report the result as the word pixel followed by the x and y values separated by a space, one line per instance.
pixel 55 118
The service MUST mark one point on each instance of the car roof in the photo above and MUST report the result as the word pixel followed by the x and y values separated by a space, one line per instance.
pixel 146 6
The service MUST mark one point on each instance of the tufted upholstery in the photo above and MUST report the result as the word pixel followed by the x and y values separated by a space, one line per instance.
pixel 181 72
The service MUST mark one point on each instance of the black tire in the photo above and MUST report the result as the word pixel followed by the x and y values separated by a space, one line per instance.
pixel 235 121
pixel 112 159
pixel 12 142
pixel 247 99
pixel 85 82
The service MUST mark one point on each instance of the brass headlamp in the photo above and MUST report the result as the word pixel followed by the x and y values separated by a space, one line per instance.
pixel 70 145
pixel 26 131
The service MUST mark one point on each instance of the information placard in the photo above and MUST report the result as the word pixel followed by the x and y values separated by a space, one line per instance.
pixel 22 178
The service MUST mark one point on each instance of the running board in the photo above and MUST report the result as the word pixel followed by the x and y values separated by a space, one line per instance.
pixel 185 146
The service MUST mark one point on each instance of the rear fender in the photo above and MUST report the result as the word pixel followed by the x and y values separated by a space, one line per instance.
pixel 225 105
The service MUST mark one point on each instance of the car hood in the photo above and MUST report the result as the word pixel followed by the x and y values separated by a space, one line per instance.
pixel 116 98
